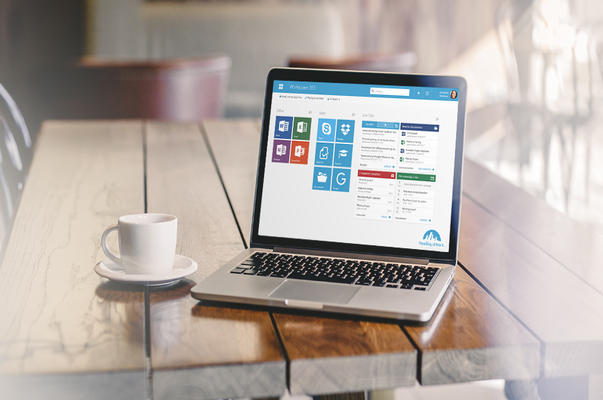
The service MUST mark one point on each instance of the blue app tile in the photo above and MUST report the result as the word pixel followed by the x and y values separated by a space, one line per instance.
pixel 324 154
pixel 345 131
pixel 326 130
pixel 341 180
pixel 322 178
pixel 283 127
pixel 342 155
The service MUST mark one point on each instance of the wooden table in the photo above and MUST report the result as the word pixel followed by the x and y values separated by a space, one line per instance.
pixel 526 304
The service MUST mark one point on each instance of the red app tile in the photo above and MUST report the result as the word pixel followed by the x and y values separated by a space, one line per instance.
pixel 299 152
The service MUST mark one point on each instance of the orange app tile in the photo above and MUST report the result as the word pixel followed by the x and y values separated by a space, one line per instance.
pixel 299 152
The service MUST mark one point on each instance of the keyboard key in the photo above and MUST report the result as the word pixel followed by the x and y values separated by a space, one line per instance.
pixel 362 273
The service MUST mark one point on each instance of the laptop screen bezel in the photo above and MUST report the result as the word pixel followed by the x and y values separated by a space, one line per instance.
pixel 372 78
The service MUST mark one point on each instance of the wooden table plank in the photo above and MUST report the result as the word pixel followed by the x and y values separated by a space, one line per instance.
pixel 479 363
pixel 361 366
pixel 564 313
pixel 198 351
pixel 240 139
pixel 472 337
pixel 66 332
pixel 334 356
pixel 575 246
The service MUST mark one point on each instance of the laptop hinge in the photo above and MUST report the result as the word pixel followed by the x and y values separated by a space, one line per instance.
pixel 358 256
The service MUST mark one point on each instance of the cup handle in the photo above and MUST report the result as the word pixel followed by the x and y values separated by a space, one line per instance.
pixel 108 252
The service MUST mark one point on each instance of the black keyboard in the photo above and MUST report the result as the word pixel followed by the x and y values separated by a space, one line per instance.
pixel 353 272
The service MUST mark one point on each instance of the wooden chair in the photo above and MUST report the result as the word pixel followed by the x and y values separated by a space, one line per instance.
pixel 173 90
pixel 399 62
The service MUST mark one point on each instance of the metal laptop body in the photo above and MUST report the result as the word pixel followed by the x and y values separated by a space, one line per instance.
pixel 356 166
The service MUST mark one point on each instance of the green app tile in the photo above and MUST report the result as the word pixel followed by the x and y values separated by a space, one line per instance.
pixel 302 128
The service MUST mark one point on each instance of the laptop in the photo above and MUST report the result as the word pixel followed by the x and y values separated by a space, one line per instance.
pixel 358 192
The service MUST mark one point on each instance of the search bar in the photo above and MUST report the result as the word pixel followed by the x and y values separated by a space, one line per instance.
pixel 390 91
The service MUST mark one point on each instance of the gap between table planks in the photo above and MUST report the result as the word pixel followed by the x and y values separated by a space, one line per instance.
pixel 559 308
pixel 488 343
pixel 198 351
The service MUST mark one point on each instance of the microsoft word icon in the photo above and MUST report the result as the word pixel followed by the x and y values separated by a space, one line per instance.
pixel 283 126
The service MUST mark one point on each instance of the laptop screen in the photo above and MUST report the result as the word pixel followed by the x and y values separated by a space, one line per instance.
pixel 361 163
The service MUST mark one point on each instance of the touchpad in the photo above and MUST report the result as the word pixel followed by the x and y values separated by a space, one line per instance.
pixel 314 291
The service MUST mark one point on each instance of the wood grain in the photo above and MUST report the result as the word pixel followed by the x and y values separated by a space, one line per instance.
pixel 197 351
pixel 334 356
pixel 575 246
pixel 562 311
pixel 363 355
pixel 67 332
pixel 480 362
pixel 472 337
pixel 239 139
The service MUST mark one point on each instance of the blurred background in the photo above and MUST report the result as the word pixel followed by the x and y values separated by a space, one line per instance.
pixel 533 66
pixel 534 69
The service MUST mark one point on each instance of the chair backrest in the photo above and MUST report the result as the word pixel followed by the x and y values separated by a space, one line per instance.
pixel 17 127
pixel 16 152
pixel 255 35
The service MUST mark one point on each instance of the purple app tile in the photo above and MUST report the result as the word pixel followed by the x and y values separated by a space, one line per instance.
pixel 280 151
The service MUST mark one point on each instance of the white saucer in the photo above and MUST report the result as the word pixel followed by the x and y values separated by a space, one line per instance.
pixel 183 266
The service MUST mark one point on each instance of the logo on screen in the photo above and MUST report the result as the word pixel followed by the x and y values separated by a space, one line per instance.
pixel 431 238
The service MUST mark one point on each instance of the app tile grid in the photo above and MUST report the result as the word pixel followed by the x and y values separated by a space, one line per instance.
pixel 333 153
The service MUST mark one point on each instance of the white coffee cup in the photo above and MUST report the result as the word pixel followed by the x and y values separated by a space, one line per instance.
pixel 147 243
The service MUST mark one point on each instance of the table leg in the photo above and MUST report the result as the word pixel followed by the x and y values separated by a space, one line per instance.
pixel 380 395
pixel 342 396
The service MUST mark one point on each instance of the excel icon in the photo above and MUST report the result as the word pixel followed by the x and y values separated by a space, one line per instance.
pixel 302 128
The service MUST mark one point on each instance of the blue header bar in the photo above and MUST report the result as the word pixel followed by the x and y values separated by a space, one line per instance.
pixel 362 90
pixel 419 127
pixel 381 125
